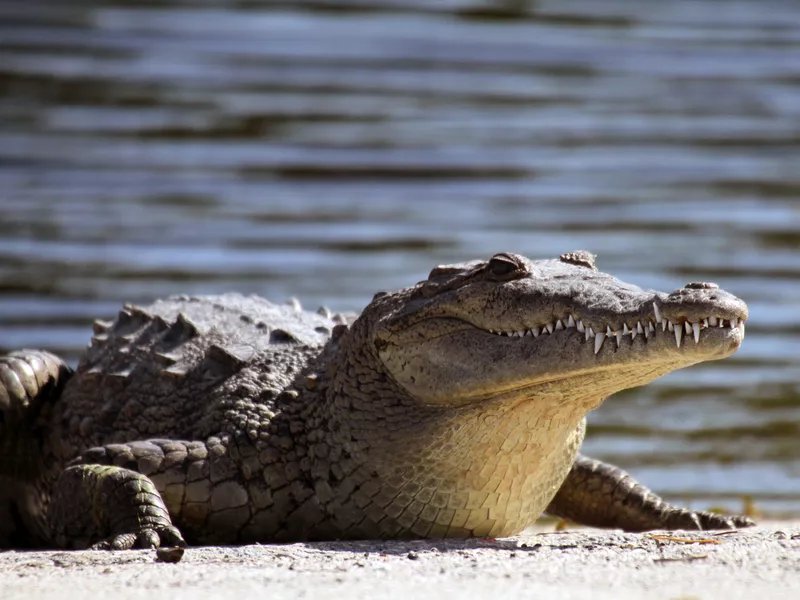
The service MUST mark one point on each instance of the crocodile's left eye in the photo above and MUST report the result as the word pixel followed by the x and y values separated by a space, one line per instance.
pixel 503 266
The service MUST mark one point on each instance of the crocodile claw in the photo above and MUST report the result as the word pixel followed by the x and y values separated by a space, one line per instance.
pixel 709 520
pixel 153 537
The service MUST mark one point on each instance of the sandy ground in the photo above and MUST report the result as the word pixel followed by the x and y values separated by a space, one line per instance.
pixel 761 563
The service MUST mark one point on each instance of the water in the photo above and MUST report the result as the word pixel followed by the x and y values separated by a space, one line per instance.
pixel 329 150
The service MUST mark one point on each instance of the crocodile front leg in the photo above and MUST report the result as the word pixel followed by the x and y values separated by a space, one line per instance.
pixel 126 495
pixel 602 495
pixel 108 507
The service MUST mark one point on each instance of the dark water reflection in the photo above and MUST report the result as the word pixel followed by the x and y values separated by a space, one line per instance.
pixel 156 148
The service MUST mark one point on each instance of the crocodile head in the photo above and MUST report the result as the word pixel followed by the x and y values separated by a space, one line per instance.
pixel 463 398
pixel 512 328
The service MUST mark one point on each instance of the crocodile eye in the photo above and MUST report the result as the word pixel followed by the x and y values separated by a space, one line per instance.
pixel 503 266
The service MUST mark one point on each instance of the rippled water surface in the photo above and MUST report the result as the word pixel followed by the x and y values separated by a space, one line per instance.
pixel 331 149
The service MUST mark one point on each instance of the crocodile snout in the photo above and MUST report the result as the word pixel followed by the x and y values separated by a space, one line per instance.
pixel 702 299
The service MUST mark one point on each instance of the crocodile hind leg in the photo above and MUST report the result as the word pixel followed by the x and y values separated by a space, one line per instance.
pixel 602 495
pixel 28 378
pixel 126 495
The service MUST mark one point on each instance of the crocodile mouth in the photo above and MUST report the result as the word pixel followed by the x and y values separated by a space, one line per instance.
pixel 683 329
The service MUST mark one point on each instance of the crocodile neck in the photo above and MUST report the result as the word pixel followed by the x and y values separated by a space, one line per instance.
pixel 472 470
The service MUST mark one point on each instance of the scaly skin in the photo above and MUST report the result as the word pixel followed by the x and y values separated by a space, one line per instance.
pixel 454 408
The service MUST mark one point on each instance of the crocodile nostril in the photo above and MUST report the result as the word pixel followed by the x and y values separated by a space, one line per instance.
pixel 701 285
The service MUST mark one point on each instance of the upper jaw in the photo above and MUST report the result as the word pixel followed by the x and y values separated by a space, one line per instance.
pixel 683 315
pixel 597 306
pixel 597 331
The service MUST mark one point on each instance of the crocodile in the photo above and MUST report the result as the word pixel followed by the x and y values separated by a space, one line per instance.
pixel 453 408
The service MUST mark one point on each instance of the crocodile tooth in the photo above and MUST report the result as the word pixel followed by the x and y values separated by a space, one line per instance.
pixel 619 337
pixel 639 329
pixel 535 331
pixel 705 322
pixel 650 329
pixel 324 311
pixel 550 327
pixel 741 326
pixel 570 322
pixel 734 323
pixel 625 330
pixel 671 325
pixel 687 326
pixel 722 323
pixel 589 333
pixel 609 333
pixel 598 341
pixel 294 303
pixel 712 321
pixel 678 336
pixel 696 329
pixel 559 324
pixel 579 326
pixel 658 314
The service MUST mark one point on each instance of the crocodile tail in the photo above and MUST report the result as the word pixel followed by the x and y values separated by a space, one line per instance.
pixel 29 380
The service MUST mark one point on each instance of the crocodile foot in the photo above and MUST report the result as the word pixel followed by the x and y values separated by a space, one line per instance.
pixel 109 507
pixel 152 537
pixel 681 518
pixel 602 495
